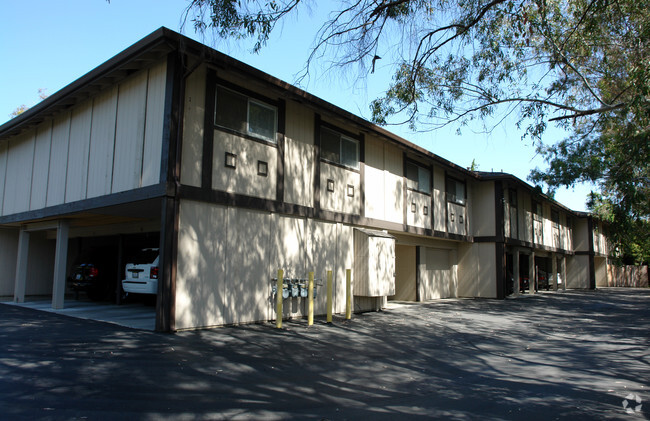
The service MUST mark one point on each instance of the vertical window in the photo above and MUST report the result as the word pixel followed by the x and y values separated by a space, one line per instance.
pixel 418 178
pixel 537 211
pixel 242 114
pixel 555 218
pixel 456 191
pixel 339 149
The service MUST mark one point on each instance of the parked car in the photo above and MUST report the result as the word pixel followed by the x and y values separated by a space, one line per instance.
pixel 141 275
pixel 542 280
pixel 95 273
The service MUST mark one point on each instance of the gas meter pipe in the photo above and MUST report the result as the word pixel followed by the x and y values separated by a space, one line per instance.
pixel 278 300
pixel 310 300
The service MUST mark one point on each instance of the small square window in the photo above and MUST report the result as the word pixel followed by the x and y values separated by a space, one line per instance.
pixel 262 168
pixel 231 160
pixel 426 210
pixel 350 190
pixel 413 207
pixel 460 219
pixel 330 185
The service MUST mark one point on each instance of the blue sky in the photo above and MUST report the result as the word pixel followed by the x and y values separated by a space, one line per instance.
pixel 47 45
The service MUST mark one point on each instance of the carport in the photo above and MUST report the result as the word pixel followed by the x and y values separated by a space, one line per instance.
pixel 46 250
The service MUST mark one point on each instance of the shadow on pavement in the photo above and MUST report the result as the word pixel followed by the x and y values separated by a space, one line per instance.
pixel 573 355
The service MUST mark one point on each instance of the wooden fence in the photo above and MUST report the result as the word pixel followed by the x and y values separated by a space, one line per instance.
pixel 627 276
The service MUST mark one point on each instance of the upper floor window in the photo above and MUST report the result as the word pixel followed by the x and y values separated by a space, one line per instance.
pixel 456 191
pixel 537 211
pixel 338 148
pixel 418 177
pixel 512 197
pixel 555 218
pixel 245 115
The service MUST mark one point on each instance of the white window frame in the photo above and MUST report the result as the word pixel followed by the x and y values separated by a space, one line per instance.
pixel 343 137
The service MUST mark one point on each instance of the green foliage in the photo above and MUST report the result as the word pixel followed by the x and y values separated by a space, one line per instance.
pixel 581 64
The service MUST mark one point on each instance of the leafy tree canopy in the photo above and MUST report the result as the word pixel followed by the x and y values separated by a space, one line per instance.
pixel 581 64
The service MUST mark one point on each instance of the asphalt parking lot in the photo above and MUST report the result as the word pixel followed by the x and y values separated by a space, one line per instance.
pixel 571 355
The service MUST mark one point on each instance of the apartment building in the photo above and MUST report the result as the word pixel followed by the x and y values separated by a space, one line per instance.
pixel 234 174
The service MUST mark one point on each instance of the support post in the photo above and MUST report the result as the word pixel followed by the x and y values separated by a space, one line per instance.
pixel 348 294
pixel 531 273
pixel 21 266
pixel 329 296
pixel 554 270
pixel 60 263
pixel 564 278
pixel 278 299
pixel 515 273
pixel 310 300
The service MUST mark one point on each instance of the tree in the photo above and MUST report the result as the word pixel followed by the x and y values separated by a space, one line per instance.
pixel 581 64
pixel 22 108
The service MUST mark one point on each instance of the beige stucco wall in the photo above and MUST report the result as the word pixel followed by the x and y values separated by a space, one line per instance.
pixel 483 209
pixel 193 122
pixel 384 194
pixel 107 144
pixel 299 155
pixel 227 257
pixel 578 271
pixel 438 273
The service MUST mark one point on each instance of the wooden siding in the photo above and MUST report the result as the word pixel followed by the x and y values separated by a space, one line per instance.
pixel 338 200
pixel 56 181
pixel 97 148
pixel 18 183
pixel 129 133
pixel 384 181
pixel 193 122
pixel 299 155
pixel 42 146
pixel 3 174
pixel 244 178
pixel 227 257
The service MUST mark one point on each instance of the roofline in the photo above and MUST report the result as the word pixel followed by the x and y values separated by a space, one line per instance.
pixel 502 176
pixel 56 102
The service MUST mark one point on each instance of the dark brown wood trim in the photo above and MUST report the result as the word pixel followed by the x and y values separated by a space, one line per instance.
pixel 418 296
pixel 248 202
pixel 279 187
pixel 592 264
pixel 143 193
pixel 526 244
pixel 208 129
pixel 445 203
pixel 166 303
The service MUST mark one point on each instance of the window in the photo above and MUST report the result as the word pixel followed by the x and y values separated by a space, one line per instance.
pixel 456 191
pixel 245 115
pixel 537 210
pixel 512 197
pixel 339 149
pixel 555 218
pixel 418 178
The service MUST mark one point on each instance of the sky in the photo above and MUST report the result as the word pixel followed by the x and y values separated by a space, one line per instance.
pixel 48 44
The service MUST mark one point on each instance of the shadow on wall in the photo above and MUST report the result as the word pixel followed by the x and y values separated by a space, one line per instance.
pixel 228 256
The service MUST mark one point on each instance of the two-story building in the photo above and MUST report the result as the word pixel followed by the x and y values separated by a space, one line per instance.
pixel 234 174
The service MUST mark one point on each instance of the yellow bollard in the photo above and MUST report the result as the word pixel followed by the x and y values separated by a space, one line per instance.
pixel 329 296
pixel 348 294
pixel 278 300
pixel 310 300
